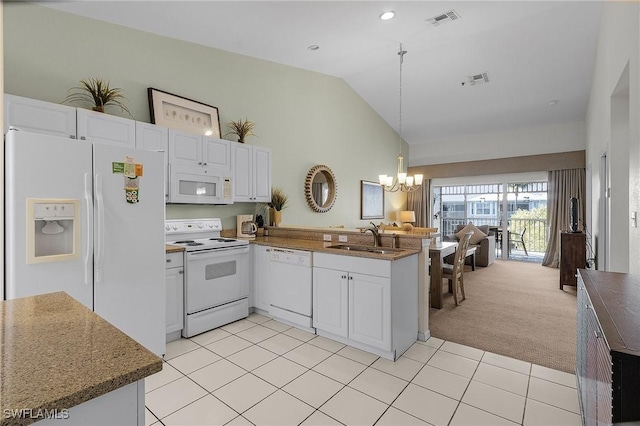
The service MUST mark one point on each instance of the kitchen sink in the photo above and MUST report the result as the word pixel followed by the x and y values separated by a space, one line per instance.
pixel 368 249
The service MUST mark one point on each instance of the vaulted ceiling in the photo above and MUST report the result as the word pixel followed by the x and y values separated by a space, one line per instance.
pixel 538 55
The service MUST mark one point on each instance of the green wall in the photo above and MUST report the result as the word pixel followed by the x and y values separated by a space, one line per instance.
pixel 306 118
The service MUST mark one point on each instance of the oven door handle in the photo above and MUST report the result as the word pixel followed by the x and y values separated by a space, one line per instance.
pixel 213 252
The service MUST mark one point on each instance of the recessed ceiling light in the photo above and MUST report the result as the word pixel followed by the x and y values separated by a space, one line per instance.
pixel 313 47
pixel 387 15
pixel 553 102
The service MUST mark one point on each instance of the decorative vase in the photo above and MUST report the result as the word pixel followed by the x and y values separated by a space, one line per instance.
pixel 275 217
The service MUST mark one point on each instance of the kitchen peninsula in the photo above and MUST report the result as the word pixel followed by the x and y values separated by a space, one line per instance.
pixel 59 359
pixel 366 295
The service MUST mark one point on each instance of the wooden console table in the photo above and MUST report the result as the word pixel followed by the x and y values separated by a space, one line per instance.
pixel 573 255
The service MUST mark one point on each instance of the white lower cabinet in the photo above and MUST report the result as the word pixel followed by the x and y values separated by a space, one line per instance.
pixel 331 301
pixel 175 295
pixel 367 303
pixel 370 310
pixel 262 277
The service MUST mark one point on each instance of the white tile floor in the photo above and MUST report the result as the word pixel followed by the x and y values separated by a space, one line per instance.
pixel 262 372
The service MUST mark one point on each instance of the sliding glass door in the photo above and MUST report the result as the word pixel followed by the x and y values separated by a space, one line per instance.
pixel 515 212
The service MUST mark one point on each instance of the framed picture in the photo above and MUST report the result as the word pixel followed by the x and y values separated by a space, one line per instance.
pixel 184 114
pixel 371 200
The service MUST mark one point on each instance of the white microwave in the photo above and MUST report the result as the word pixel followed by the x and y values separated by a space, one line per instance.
pixel 199 185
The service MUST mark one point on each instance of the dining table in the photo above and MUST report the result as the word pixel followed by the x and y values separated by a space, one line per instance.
pixel 437 253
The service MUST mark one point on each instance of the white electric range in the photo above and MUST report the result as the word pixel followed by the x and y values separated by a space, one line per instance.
pixel 216 269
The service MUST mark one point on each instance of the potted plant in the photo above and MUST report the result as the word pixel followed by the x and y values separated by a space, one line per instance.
pixel 241 129
pixel 278 202
pixel 97 93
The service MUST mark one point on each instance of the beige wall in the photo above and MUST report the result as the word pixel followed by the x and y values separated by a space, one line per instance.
pixel 617 61
pixel 306 118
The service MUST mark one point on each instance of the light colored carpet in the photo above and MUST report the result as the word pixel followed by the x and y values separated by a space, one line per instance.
pixel 514 309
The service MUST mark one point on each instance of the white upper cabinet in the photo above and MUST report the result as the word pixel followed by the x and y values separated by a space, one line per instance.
pixel 36 116
pixel 216 153
pixel 252 173
pixel 155 138
pixel 193 149
pixel 104 128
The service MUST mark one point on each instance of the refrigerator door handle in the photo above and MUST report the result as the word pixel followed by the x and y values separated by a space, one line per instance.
pixel 99 230
pixel 88 191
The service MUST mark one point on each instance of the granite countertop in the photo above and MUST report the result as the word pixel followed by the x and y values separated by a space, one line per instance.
pixel 322 246
pixel 55 354
pixel 173 249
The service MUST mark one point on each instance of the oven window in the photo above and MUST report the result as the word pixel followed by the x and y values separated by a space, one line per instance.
pixel 220 270
pixel 189 187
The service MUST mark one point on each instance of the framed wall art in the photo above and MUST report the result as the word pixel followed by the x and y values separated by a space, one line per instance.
pixel 180 113
pixel 371 200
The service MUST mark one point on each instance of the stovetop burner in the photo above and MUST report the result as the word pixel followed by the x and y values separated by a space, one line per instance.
pixel 221 239
pixel 184 242
pixel 191 244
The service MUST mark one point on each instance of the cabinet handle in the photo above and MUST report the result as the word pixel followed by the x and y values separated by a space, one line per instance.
pixel 181 272
pixel 200 163
pixel 204 164
pixel 83 138
pixel 351 278
pixel 344 277
pixel 168 260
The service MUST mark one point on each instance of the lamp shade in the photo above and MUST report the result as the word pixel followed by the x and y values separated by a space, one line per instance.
pixel 407 216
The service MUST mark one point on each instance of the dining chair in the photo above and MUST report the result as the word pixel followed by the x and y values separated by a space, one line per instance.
pixel 519 239
pixel 454 274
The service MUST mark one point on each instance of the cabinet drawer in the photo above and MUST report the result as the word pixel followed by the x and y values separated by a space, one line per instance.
pixel 175 260
pixel 375 267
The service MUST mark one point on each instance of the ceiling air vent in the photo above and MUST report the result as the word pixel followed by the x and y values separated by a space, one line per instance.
pixel 472 80
pixel 451 15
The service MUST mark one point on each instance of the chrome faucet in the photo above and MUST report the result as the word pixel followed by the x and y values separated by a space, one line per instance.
pixel 376 234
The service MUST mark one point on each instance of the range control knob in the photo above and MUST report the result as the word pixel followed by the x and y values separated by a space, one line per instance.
pixel 167 227
pixel 200 225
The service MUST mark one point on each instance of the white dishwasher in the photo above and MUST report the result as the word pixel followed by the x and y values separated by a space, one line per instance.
pixel 291 286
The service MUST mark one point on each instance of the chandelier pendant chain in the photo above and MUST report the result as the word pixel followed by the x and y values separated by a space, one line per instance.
pixel 401 53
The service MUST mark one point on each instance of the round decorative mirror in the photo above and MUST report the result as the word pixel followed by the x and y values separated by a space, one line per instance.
pixel 321 189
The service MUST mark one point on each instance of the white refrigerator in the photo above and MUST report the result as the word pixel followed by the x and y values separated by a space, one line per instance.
pixel 88 219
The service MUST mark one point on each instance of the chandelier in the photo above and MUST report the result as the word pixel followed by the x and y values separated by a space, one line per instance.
pixel 401 182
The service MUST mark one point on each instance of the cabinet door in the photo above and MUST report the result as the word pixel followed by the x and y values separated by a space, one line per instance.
pixel 175 299
pixel 216 153
pixel 243 173
pixel 107 129
pixel 36 116
pixel 155 138
pixel 185 148
pixel 370 310
pixel 330 301
pixel 262 277
pixel 262 174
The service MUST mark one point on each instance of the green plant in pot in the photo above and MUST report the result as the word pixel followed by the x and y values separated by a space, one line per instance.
pixel 241 128
pixel 279 201
pixel 98 94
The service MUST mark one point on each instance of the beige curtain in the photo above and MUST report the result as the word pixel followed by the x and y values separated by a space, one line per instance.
pixel 563 184
pixel 418 202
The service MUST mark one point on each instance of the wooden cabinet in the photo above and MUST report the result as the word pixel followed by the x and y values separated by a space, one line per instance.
pixel 573 255
pixel 252 173
pixel 105 128
pixel 191 149
pixel 36 116
pixel 366 303
pixel 608 352
pixel 175 295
